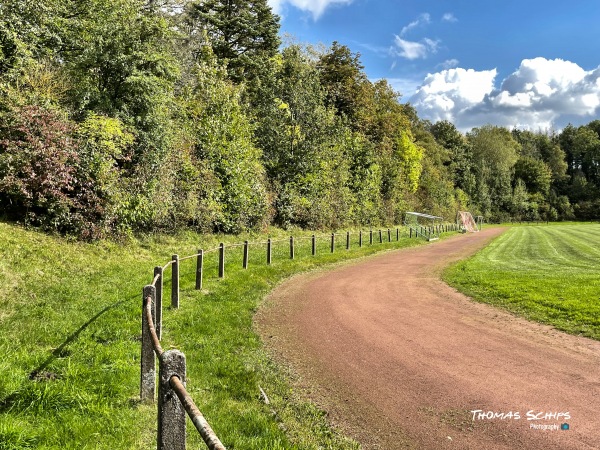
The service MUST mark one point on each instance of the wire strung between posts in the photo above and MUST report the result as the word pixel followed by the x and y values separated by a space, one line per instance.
pixel 234 245
pixel 207 433
pixel 275 241
pixel 155 342
pixel 166 266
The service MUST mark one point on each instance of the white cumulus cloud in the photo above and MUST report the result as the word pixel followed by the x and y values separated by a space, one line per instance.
pixel 423 19
pixel 540 94
pixel 449 17
pixel 445 94
pixel 414 50
pixel 315 7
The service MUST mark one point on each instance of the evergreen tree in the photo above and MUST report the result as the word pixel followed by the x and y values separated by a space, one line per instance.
pixel 241 33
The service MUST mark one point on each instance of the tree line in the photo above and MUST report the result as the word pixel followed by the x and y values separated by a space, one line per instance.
pixel 137 115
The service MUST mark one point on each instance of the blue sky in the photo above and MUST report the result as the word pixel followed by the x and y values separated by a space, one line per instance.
pixel 528 63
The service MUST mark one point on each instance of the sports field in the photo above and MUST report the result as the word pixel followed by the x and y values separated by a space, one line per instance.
pixel 545 273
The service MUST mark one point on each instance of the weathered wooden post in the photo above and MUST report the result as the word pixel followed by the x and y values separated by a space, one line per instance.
pixel 360 238
pixel 269 251
pixel 332 242
pixel 171 413
pixel 397 234
pixel 380 237
pixel 389 235
pixel 158 274
pixel 314 245
pixel 246 252
pixel 347 240
pixel 199 269
pixel 148 361
pixel 175 282
pixel 221 260
pixel 291 247
pixel 370 237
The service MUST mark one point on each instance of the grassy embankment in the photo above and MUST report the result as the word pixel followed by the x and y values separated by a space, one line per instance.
pixel 549 274
pixel 69 340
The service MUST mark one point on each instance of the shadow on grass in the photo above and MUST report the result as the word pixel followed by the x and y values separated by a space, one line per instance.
pixel 39 373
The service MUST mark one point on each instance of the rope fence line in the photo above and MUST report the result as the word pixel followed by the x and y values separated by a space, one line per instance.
pixel 173 399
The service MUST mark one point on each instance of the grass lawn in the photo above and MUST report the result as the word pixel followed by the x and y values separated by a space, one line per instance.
pixel 69 340
pixel 549 274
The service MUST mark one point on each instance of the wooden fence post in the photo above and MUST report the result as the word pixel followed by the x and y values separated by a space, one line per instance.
pixel 175 282
pixel 158 302
pixel 291 247
pixel 148 361
pixel 370 237
pixel 269 251
pixel 360 238
pixel 332 242
pixel 380 237
pixel 314 245
pixel 389 235
pixel 397 234
pixel 221 260
pixel 199 269
pixel 246 254
pixel 171 413
pixel 347 240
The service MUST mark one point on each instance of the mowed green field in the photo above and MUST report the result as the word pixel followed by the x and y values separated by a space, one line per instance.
pixel 546 273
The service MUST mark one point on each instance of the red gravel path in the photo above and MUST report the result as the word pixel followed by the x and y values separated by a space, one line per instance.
pixel 399 359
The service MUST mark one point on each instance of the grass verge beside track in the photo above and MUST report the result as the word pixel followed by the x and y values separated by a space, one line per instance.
pixel 69 340
pixel 550 274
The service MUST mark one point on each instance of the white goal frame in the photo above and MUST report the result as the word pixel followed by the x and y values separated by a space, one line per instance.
pixel 423 225
pixel 466 222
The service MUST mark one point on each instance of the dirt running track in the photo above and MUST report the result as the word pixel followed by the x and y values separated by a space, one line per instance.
pixel 399 359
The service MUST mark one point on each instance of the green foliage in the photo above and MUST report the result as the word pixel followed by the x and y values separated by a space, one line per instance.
pixel 190 115
pixel 298 135
pixel 495 153
pixel 534 173
pixel 460 157
pixel 409 156
pixel 242 34
pixel 344 80
pixel 365 179
pixel 222 137
pixel 436 193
